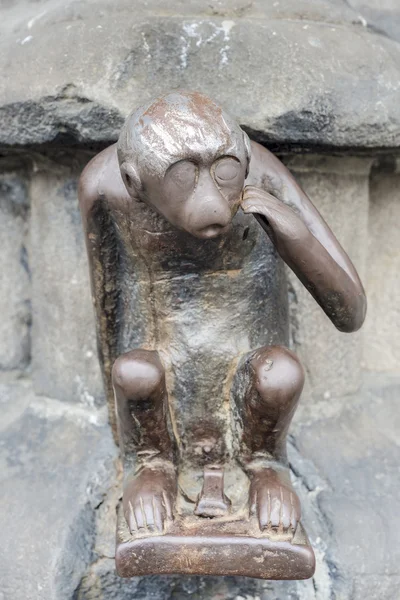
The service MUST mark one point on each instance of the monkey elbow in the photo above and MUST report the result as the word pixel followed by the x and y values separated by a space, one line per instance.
pixel 352 318
pixel 349 325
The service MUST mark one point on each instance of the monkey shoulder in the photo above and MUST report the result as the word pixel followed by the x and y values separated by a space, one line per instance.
pixel 266 170
pixel 261 157
pixel 101 180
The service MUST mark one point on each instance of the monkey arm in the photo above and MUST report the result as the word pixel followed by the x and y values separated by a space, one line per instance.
pixel 102 250
pixel 328 275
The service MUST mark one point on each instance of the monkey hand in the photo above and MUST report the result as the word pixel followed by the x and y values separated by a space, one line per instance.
pixel 283 225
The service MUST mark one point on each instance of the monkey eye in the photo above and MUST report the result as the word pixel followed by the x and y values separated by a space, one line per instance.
pixel 182 174
pixel 227 169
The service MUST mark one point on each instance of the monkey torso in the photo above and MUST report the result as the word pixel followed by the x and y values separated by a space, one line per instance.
pixel 202 304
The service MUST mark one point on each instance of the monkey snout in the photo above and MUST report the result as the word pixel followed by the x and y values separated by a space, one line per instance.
pixel 212 218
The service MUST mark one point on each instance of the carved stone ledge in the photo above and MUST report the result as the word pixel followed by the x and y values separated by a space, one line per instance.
pixel 318 76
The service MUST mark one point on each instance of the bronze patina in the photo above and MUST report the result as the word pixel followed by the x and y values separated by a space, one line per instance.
pixel 192 321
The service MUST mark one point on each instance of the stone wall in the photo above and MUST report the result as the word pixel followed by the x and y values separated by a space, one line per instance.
pixel 381 334
pixel 339 187
pixel 50 282
pixel 61 392
pixel 64 354
pixel 317 82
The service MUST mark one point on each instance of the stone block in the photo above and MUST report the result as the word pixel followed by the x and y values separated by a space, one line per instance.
pixel 57 462
pixel 64 359
pixel 60 488
pixel 15 307
pixel 338 186
pixel 355 454
pixel 382 16
pixel 382 328
pixel 293 72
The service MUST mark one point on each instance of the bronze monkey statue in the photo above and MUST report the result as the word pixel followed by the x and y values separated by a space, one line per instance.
pixel 192 322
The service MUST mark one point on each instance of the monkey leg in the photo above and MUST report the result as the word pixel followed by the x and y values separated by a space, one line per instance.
pixel 141 401
pixel 268 388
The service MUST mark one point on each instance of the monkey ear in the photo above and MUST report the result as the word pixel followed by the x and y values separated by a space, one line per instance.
pixel 247 146
pixel 131 179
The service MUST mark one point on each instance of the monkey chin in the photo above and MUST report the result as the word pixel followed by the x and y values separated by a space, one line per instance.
pixel 211 231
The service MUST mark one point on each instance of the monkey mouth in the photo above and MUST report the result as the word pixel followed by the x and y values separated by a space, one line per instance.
pixel 211 231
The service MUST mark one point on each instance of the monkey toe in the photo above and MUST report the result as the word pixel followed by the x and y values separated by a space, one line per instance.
pixel 148 500
pixel 274 503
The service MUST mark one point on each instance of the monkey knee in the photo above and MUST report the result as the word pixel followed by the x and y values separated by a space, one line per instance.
pixel 278 376
pixel 137 375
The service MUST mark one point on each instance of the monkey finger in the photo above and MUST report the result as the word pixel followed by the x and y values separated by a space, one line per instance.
pixel 168 506
pixel 251 196
pixel 254 192
pixel 261 205
pixel 267 202
pixel 255 207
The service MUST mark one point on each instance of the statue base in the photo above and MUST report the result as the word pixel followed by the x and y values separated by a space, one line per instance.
pixel 198 546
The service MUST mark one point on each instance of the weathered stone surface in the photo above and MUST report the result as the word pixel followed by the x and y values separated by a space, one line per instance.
pixel 383 17
pixel 102 582
pixel 356 456
pixel 347 477
pixel 14 272
pixel 339 189
pixel 312 74
pixel 299 73
pixel 65 364
pixel 344 464
pixel 57 462
pixel 382 333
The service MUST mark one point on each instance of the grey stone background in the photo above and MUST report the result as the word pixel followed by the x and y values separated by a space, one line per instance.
pixel 318 82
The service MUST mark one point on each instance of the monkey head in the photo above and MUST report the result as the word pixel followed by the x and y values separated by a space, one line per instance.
pixel 187 159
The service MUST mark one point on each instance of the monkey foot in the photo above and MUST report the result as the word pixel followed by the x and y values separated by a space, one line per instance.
pixel 273 501
pixel 213 535
pixel 149 498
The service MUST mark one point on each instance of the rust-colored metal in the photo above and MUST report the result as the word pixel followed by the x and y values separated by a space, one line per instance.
pixel 192 322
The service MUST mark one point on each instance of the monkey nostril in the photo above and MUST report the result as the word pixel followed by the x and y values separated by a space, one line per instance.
pixel 214 226
pixel 212 230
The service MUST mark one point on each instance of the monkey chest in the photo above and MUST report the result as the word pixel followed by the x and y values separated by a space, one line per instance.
pixel 227 291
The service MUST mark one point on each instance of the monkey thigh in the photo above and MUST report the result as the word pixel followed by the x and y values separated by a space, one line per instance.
pixel 265 394
pixel 138 379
